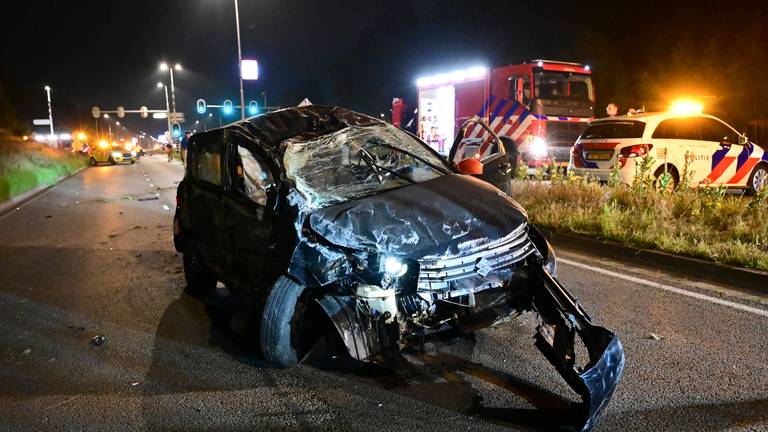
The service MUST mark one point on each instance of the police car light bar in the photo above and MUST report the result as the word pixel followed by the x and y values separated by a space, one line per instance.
pixel 453 77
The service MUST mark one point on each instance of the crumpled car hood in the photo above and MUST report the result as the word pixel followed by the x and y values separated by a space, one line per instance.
pixel 438 217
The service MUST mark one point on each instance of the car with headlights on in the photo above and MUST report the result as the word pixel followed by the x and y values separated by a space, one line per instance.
pixel 330 216
pixel 111 153
pixel 677 142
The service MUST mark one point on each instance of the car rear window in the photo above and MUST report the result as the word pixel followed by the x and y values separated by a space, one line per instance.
pixel 614 129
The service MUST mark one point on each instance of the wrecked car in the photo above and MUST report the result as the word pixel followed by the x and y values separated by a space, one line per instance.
pixel 323 208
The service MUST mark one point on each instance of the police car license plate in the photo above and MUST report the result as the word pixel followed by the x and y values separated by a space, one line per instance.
pixel 599 156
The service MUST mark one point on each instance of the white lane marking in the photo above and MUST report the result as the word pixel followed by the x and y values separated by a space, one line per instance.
pixel 739 306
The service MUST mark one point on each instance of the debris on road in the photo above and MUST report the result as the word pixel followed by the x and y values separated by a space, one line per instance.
pixel 655 336
pixel 152 198
pixel 165 207
pixel 26 351
pixel 98 340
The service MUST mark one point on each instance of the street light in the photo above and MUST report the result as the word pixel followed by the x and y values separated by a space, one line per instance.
pixel 239 61
pixel 167 107
pixel 164 67
pixel 50 111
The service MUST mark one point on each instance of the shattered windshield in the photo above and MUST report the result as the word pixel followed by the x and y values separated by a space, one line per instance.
pixel 358 161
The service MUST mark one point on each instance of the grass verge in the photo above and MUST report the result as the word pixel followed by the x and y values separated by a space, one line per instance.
pixel 704 223
pixel 25 165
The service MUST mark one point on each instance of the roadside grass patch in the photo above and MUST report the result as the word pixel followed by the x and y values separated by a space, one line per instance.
pixel 25 165
pixel 704 223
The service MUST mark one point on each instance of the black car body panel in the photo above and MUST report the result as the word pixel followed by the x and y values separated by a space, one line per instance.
pixel 384 235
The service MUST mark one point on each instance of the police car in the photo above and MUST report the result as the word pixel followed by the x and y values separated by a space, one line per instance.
pixel 716 153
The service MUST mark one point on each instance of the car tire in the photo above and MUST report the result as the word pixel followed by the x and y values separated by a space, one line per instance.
pixel 758 180
pixel 133 162
pixel 200 280
pixel 278 323
pixel 92 161
pixel 672 171
pixel 112 161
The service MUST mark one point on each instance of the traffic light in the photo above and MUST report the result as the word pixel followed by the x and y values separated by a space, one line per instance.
pixel 176 130
pixel 227 107
pixel 253 108
pixel 201 107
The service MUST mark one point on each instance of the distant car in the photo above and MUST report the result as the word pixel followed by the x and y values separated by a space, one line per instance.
pixel 330 216
pixel 715 152
pixel 111 155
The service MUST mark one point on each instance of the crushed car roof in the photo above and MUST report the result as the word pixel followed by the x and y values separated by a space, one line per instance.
pixel 271 129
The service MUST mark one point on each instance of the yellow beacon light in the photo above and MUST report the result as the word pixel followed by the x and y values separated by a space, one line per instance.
pixel 686 106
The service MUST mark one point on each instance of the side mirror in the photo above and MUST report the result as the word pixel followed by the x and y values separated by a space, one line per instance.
pixel 743 139
pixel 471 166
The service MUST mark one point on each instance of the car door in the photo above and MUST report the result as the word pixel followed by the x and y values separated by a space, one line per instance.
pixel 475 140
pixel 729 158
pixel 250 222
pixel 681 141
pixel 204 195
pixel 727 155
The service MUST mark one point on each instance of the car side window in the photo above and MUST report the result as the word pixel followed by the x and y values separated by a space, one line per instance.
pixel 715 131
pixel 678 128
pixel 253 176
pixel 205 163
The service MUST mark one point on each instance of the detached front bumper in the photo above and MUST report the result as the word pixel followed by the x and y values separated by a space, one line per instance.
pixel 562 318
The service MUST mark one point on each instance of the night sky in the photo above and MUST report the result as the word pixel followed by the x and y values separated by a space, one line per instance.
pixel 356 53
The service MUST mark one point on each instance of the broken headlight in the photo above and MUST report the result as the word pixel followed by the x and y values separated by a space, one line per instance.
pixel 393 266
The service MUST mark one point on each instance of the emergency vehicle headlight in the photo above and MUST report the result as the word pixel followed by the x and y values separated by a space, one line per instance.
pixel 116 154
pixel 538 147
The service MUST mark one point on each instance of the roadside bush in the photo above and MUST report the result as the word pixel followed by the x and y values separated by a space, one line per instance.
pixel 706 223
pixel 25 165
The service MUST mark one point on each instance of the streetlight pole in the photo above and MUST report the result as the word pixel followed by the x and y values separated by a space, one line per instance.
pixel 173 92
pixel 177 66
pixel 167 109
pixel 239 62
pixel 50 111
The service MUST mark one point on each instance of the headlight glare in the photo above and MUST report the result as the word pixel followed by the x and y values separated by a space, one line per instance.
pixel 116 154
pixel 538 147
pixel 394 267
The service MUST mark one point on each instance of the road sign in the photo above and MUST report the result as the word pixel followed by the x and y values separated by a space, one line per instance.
pixel 144 111
pixel 120 112
pixel 41 122
pixel 249 69
pixel 201 106
pixel 177 117
pixel 96 112
pixel 159 115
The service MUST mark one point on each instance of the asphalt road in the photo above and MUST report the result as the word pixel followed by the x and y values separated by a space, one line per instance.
pixel 93 256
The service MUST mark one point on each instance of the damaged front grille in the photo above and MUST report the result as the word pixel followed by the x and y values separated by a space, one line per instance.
pixel 480 267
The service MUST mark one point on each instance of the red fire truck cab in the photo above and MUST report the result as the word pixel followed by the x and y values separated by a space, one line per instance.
pixel 540 107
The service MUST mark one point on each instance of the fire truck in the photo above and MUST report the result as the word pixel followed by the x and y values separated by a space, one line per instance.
pixel 538 109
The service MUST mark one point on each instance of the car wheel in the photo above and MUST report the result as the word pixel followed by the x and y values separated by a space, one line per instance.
pixel 278 323
pixel 93 161
pixel 133 162
pixel 758 180
pixel 674 181
pixel 112 161
pixel 200 280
